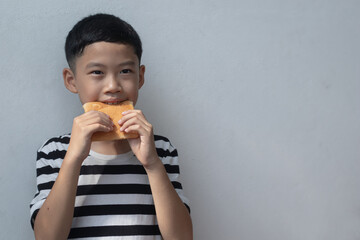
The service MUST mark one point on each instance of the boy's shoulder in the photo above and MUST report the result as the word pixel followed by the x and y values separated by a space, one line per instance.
pixel 161 138
pixel 164 147
pixel 60 142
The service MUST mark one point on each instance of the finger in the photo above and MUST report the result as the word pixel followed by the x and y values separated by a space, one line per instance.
pixel 96 124
pixel 97 117
pixel 130 111
pixel 93 113
pixel 137 129
pixel 133 114
pixel 129 114
pixel 98 127
pixel 134 121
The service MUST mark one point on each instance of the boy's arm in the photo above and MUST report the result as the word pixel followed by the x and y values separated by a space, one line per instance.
pixel 172 215
pixel 55 216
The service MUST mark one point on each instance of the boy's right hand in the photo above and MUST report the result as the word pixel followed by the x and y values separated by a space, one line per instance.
pixel 83 128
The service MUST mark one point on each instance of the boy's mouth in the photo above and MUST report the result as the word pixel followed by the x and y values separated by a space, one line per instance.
pixel 112 102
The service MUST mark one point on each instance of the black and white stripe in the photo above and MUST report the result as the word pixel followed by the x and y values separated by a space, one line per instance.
pixel 113 196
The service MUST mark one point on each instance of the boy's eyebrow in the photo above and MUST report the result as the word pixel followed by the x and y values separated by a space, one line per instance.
pixel 130 62
pixel 96 64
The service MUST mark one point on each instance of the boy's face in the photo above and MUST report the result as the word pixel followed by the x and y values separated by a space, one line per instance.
pixel 106 72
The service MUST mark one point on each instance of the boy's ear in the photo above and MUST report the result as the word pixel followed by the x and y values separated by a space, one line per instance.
pixel 69 80
pixel 141 76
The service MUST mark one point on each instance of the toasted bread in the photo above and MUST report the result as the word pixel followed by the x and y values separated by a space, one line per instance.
pixel 115 113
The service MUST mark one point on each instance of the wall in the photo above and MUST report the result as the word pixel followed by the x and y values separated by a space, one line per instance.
pixel 262 99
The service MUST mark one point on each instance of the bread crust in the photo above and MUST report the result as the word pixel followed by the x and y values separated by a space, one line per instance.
pixel 115 113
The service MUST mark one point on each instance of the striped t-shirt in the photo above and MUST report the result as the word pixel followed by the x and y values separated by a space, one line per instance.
pixel 113 199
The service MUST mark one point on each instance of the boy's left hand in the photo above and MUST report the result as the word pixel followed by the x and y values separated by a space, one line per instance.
pixel 143 146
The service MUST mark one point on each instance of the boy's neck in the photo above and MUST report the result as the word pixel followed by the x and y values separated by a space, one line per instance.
pixel 111 147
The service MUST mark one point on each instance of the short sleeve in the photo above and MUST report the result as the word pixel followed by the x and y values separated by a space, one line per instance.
pixel 169 156
pixel 48 162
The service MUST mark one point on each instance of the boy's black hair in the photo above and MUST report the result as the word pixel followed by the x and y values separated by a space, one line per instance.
pixel 97 28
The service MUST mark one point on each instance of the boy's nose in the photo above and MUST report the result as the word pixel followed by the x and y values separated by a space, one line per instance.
pixel 113 85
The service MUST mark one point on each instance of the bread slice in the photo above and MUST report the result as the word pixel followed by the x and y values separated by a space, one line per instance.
pixel 115 113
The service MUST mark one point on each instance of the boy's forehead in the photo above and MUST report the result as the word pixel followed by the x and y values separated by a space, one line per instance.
pixel 108 51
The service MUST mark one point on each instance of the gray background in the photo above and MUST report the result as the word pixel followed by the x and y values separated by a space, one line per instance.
pixel 261 98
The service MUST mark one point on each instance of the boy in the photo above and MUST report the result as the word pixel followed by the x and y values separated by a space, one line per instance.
pixel 124 189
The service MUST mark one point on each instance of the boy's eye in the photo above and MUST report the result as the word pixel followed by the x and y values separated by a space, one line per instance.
pixel 96 72
pixel 124 71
